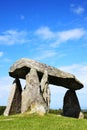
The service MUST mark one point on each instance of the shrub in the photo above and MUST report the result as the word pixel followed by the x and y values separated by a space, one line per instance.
pixel 54 111
pixel 2 108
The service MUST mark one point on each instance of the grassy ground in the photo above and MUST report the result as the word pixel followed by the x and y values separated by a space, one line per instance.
pixel 47 122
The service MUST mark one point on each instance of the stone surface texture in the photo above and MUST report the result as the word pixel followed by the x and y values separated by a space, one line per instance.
pixel 71 107
pixel 56 77
pixel 14 101
pixel 45 90
pixel 31 96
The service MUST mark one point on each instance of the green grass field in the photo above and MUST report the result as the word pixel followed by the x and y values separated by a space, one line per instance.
pixel 47 122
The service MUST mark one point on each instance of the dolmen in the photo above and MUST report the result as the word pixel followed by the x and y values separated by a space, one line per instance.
pixel 35 97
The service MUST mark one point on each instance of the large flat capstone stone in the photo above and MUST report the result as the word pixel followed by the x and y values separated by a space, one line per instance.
pixel 55 76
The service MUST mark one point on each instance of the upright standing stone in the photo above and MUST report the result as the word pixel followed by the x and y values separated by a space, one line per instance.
pixel 45 90
pixel 71 107
pixel 32 99
pixel 14 101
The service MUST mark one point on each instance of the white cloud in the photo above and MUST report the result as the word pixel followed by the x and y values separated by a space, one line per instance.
pixel 59 37
pixel 77 9
pixel 46 54
pixel 11 37
pixel 1 54
pixel 45 33
pixel 71 34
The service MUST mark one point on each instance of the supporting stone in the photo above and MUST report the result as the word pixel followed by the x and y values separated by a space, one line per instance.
pixel 14 101
pixel 71 107
pixel 32 100
pixel 45 90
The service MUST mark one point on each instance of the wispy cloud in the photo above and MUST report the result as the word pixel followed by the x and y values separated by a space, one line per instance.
pixel 45 33
pixel 1 54
pixel 71 34
pixel 77 9
pixel 11 37
pixel 46 54
pixel 59 37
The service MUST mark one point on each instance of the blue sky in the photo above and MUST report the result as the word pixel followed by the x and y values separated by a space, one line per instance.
pixel 50 31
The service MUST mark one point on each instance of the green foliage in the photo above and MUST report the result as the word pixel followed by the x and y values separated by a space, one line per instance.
pixel 60 112
pixel 47 122
pixel 2 108
pixel 55 111
pixel 85 115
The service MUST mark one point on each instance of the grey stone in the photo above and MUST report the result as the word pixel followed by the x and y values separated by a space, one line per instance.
pixel 55 76
pixel 45 90
pixel 14 101
pixel 35 98
pixel 32 100
pixel 81 115
pixel 71 107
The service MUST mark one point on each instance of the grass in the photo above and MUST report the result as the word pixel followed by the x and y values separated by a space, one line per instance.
pixel 47 122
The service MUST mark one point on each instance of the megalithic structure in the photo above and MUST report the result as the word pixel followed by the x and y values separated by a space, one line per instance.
pixel 35 98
